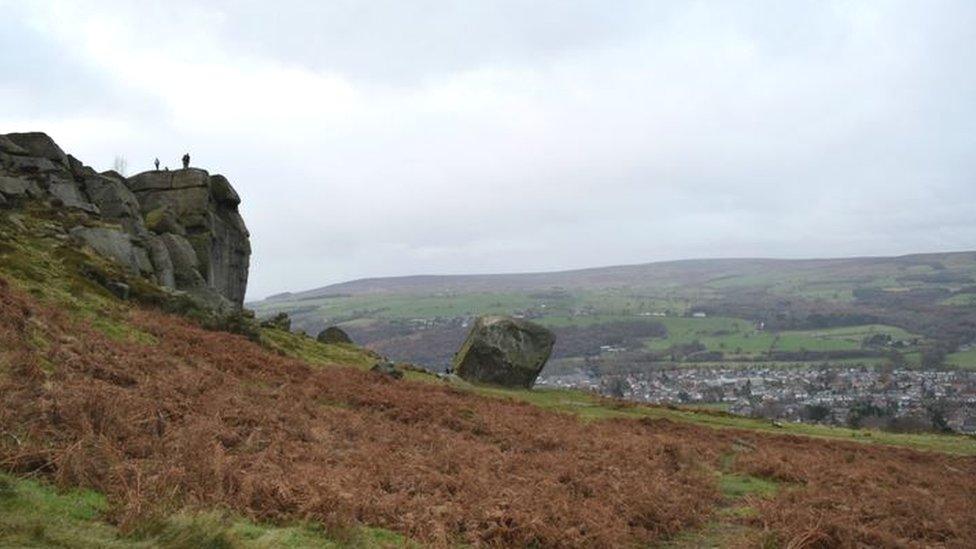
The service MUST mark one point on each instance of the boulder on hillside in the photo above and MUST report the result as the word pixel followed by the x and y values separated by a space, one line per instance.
pixel 387 368
pixel 504 351
pixel 333 334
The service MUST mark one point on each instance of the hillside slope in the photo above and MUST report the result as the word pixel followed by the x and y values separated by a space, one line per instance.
pixel 164 417
pixel 683 272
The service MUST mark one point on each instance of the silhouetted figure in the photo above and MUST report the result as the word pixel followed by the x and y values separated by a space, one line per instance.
pixel 157 164
pixel 186 161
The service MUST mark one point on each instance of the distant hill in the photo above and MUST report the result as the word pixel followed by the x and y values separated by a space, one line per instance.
pixel 925 302
pixel 681 272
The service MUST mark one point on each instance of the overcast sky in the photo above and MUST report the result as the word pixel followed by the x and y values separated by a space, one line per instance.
pixel 376 138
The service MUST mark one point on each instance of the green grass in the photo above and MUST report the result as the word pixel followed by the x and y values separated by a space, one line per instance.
pixel 962 300
pixel 35 514
pixel 401 307
pixel 311 351
pixel 964 359
pixel 732 336
pixel 726 527
pixel 737 337
pixel 737 485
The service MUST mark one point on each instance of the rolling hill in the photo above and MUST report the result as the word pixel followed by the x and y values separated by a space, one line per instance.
pixel 926 300
pixel 749 272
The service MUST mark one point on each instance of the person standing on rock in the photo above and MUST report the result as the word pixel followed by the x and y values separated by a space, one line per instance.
pixel 186 161
pixel 157 164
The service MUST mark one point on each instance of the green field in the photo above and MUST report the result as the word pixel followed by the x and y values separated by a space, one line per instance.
pixel 736 337
pixel 961 300
pixel 730 335
pixel 964 359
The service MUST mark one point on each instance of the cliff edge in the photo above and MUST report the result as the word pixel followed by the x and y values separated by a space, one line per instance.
pixel 179 229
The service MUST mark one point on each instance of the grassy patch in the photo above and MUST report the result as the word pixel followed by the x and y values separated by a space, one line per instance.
pixel 34 514
pixel 309 350
pixel 717 533
pixel 736 485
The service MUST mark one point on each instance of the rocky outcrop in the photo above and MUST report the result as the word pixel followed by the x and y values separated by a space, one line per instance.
pixel 191 205
pixel 180 229
pixel 504 351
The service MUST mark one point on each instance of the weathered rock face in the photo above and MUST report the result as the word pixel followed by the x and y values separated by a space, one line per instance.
pixel 202 209
pixel 181 229
pixel 504 351
pixel 38 144
pixel 116 244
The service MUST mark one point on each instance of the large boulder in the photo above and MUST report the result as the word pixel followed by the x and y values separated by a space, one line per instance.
pixel 504 351
pixel 203 208
pixel 387 368
pixel 333 334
